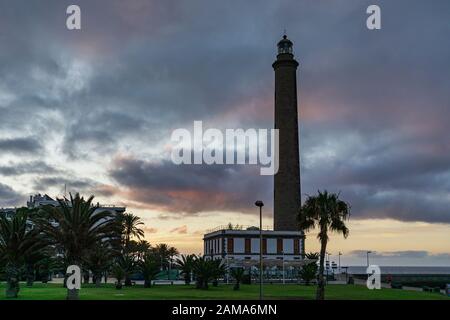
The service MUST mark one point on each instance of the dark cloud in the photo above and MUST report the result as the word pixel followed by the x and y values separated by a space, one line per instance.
pixel 101 129
pixel 71 184
pixel 374 106
pixel 34 167
pixel 9 197
pixel 20 145
pixel 191 188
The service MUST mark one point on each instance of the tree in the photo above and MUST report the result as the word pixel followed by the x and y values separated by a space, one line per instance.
pixel 131 227
pixel 74 227
pixel 219 269
pixel 142 248
pixel 17 241
pixel 171 252
pixel 98 260
pixel 48 264
pixel 128 263
pixel 149 266
pixel 162 252
pixel 185 263
pixel 206 270
pixel 118 273
pixel 32 261
pixel 309 271
pixel 328 213
pixel 237 274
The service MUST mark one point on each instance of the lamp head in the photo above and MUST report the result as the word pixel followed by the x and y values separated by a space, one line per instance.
pixel 259 203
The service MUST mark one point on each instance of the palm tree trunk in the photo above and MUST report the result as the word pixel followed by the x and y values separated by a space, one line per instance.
pixel 147 283
pixel 72 294
pixel 98 280
pixel 86 276
pixel 12 288
pixel 320 295
pixel 12 281
pixel 187 278
pixel 30 275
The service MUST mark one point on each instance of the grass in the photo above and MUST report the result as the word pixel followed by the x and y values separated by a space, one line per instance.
pixel 41 291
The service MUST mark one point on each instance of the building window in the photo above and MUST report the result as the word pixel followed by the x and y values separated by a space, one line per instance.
pixel 255 245
pixel 288 246
pixel 271 246
pixel 264 246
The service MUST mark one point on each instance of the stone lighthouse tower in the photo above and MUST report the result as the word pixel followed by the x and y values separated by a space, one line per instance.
pixel 287 180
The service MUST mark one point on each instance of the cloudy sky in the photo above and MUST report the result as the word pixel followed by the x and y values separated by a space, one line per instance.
pixel 94 110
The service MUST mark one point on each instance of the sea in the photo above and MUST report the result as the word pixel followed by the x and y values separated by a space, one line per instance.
pixel 416 270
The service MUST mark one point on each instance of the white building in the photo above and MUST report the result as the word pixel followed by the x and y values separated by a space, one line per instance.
pixel 39 200
pixel 242 246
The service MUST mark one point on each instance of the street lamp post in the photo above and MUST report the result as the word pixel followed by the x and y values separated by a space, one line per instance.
pixel 339 262
pixel 228 269
pixel 329 265
pixel 368 257
pixel 260 204
pixel 284 277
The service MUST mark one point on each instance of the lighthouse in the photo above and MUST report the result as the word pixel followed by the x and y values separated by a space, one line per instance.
pixel 284 246
pixel 287 199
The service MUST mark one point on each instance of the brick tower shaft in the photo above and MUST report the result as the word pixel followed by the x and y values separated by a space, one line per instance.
pixel 287 199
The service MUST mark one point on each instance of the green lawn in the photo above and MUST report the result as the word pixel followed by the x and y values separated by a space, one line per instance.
pixel 41 291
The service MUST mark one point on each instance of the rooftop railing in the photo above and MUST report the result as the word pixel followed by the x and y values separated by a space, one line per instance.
pixel 237 228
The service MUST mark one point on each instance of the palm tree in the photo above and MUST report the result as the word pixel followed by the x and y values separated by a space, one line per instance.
pixel 128 263
pixel 75 227
pixel 185 263
pixel 48 264
pixel 328 213
pixel 309 271
pixel 131 227
pixel 237 274
pixel 162 251
pixel 17 241
pixel 98 260
pixel 149 266
pixel 32 260
pixel 142 248
pixel 118 273
pixel 171 252
pixel 202 272
pixel 219 269
pixel 206 270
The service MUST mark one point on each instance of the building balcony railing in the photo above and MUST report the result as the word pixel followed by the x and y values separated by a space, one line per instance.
pixel 238 228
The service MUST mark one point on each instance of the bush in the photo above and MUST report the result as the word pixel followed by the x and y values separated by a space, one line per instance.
pixel 396 285
pixel 247 279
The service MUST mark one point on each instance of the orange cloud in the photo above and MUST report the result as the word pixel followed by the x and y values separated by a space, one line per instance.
pixel 180 230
